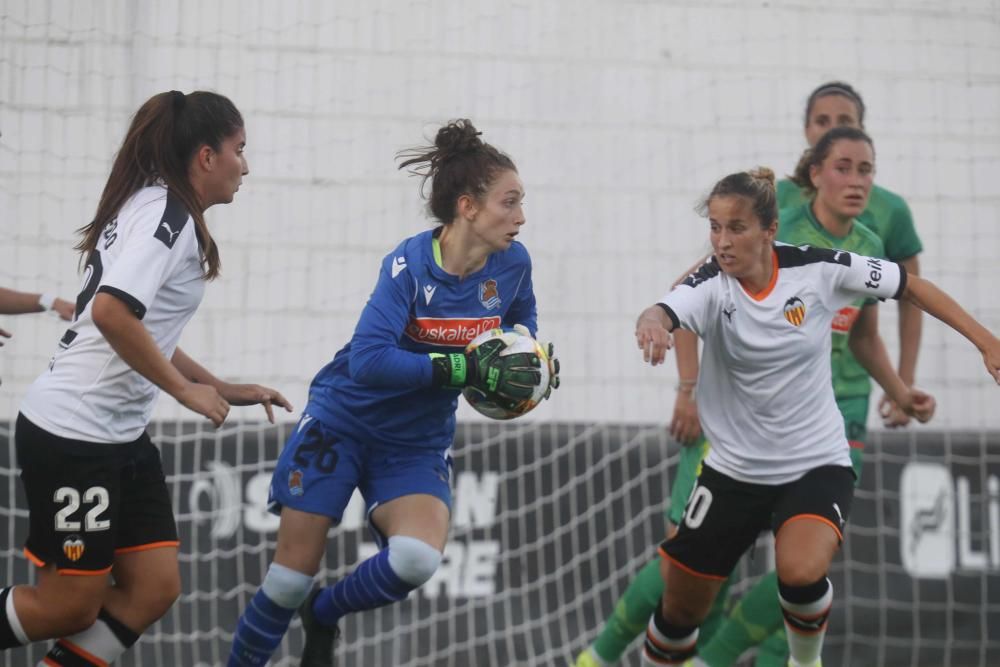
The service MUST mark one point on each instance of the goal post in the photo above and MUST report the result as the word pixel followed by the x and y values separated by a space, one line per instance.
pixel 549 523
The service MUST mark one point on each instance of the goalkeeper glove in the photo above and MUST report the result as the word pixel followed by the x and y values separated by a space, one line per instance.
pixel 512 377
pixel 549 355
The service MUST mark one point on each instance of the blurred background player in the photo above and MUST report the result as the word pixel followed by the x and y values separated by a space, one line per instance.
pixel 97 498
pixel 765 312
pixel 837 104
pixel 381 415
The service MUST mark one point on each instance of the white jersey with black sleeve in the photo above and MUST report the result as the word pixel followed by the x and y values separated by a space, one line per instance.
pixel 149 258
pixel 765 395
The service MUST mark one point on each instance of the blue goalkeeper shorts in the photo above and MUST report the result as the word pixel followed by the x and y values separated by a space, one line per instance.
pixel 319 469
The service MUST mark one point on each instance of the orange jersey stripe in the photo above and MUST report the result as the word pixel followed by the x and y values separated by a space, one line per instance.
pixel 693 573
pixel 147 547
pixel 816 517
pixel 38 562
pixel 85 573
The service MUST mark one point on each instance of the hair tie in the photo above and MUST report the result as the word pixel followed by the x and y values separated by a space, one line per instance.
pixel 179 99
pixel 835 89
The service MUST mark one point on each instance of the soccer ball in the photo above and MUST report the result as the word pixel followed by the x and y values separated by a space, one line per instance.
pixel 497 407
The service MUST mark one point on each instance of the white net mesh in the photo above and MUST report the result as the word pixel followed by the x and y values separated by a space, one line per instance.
pixel 619 115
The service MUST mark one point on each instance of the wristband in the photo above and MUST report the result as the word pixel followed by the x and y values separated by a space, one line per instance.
pixel 46 300
pixel 448 370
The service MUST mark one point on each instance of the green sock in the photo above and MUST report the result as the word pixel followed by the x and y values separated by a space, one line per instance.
pixel 631 614
pixel 757 616
pixel 637 604
pixel 773 651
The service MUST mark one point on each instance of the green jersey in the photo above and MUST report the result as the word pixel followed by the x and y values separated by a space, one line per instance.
pixel 798 226
pixel 887 215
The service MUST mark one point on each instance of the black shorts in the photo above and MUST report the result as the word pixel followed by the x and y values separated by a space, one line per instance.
pixel 723 516
pixel 89 501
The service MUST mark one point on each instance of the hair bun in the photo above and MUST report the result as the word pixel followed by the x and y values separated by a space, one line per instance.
pixel 763 174
pixel 458 136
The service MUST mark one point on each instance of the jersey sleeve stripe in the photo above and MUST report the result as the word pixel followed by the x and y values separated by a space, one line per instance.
pixel 790 256
pixel 149 546
pixel 671 314
pixel 133 303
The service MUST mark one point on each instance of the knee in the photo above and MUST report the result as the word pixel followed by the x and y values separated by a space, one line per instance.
pixel 414 561
pixel 801 573
pixel 70 615
pixel 286 587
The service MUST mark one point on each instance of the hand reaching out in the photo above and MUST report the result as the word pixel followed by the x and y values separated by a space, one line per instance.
pixel 65 309
pixel 653 339
pixel 255 394
pixel 892 416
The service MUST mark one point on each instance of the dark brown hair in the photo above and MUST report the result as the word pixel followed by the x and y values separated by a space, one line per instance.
pixel 757 185
pixel 836 88
pixel 459 163
pixel 165 134
pixel 814 157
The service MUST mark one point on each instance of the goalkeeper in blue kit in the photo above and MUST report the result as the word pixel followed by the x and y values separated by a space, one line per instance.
pixel 381 415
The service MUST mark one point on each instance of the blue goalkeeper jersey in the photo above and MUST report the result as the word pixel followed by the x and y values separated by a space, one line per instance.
pixel 378 387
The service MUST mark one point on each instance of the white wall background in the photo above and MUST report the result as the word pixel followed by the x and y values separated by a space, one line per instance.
pixel 619 115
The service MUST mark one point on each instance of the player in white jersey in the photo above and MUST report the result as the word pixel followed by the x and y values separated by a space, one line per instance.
pixel 97 497
pixel 779 455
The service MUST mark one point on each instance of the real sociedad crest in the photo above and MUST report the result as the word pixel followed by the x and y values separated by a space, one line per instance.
pixel 489 295
pixel 795 311
pixel 295 486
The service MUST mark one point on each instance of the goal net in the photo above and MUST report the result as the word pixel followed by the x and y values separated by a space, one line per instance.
pixel 620 115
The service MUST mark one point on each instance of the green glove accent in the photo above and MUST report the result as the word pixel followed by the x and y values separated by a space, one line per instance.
pixel 449 370
pixel 512 377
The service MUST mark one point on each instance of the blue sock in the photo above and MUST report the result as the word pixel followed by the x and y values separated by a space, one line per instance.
pixel 373 584
pixel 259 631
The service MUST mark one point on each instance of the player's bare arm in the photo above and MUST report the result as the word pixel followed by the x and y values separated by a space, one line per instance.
pixel 684 424
pixel 910 327
pixel 13 302
pixel 868 348
pixel 129 338
pixel 233 393
pixel 929 298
